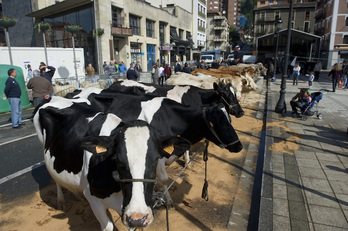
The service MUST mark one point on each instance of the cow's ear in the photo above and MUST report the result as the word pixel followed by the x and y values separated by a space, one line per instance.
pixel 174 146
pixel 97 145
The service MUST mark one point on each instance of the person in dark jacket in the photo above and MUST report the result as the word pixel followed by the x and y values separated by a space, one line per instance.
pixel 177 67
pixel 167 72
pixel 187 69
pixel 131 73
pixel 47 74
pixel 41 88
pixel 13 93
pixel 336 75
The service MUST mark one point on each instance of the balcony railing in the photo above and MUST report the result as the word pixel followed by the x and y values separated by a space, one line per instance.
pixel 219 17
pixel 203 1
pixel 201 14
pixel 216 27
pixel 200 28
pixel 219 38
pixel 121 31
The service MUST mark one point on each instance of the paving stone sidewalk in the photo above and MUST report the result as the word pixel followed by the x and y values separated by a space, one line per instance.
pixel 305 184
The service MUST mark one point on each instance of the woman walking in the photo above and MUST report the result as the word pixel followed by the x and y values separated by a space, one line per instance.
pixel 297 70
pixel 336 75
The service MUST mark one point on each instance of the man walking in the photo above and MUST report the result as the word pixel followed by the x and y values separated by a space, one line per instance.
pixel 13 94
pixel 42 88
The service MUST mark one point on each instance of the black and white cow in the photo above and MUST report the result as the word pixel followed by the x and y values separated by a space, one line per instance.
pixel 112 163
pixel 187 95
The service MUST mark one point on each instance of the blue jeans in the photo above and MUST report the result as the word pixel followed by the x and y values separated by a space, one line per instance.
pixel 16 111
pixel 345 80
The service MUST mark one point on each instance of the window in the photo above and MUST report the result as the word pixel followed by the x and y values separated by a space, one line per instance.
pixel 276 15
pixel 263 15
pixel 307 15
pixel 150 28
pixel 116 17
pixel 262 28
pixel 161 33
pixel 306 27
pixel 293 15
pixel 262 2
pixel 292 25
pixel 345 39
pixel 346 21
pixel 270 2
pixel 134 23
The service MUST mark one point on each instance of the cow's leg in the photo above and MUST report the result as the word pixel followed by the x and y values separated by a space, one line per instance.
pixel 187 157
pixel 162 177
pixel 100 213
pixel 60 198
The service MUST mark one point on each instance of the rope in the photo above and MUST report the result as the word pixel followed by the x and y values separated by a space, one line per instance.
pixel 205 186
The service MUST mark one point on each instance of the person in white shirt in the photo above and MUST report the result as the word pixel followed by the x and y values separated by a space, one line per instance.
pixel 297 70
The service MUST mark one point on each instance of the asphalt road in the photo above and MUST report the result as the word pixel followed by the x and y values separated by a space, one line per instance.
pixel 22 170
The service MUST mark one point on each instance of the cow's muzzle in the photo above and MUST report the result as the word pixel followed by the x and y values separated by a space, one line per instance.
pixel 136 221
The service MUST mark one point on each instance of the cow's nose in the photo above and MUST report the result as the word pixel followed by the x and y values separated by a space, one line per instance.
pixel 135 222
pixel 241 114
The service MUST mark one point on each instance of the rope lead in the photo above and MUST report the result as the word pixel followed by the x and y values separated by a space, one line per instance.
pixel 205 186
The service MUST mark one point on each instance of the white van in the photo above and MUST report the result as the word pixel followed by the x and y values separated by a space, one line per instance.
pixel 230 57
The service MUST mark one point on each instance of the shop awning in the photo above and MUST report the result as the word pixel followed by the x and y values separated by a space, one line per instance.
pixel 175 38
pixel 58 8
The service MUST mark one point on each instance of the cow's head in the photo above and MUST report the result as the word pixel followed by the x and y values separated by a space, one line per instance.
pixel 133 150
pixel 229 99
pixel 221 132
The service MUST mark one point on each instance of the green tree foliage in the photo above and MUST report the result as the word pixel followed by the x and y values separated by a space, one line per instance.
pixel 234 35
pixel 247 10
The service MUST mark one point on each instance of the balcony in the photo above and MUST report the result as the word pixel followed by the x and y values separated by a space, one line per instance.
pixel 121 31
pixel 200 28
pixel 201 14
pixel 219 38
pixel 321 14
pixel 219 27
pixel 219 17
pixel 203 1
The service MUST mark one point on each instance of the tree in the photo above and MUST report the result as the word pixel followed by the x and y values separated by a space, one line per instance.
pixel 247 10
pixel 234 35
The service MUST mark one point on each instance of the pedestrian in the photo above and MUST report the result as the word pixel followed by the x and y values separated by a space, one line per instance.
pixel 110 69
pixel 161 78
pixel 155 74
pixel 41 88
pixel 177 67
pixel 47 74
pixel 122 67
pixel 131 73
pixel 90 70
pixel 297 70
pixel 167 72
pixel 336 75
pixel 13 93
pixel 187 69
pixel 311 79
pixel 104 64
pixel 137 67
pixel 345 74
pixel 30 72
pixel 317 70
pixel 116 66
pixel 202 65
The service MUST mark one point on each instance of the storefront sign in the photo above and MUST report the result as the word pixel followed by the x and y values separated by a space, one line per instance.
pixel 167 48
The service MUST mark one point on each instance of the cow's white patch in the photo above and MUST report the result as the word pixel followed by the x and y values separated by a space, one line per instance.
pixel 131 83
pixel 111 122
pixel 89 119
pixel 226 114
pixel 136 145
pixel 232 90
pixel 177 92
pixel 87 91
pixel 149 108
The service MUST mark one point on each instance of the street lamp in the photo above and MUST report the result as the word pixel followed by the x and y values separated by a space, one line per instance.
pixel 281 105
pixel 276 38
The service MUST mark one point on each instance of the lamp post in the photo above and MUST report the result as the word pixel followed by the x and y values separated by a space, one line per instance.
pixel 281 105
pixel 276 37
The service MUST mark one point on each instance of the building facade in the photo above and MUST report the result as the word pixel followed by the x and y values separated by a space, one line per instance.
pixel 134 30
pixel 229 8
pixel 331 23
pixel 217 33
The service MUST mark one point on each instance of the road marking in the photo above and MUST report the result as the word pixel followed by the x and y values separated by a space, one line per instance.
pixel 15 140
pixel 21 172
pixel 9 124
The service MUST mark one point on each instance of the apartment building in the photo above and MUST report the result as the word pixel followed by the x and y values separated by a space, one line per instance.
pixel 228 8
pixel 331 23
pixel 217 33
pixel 134 30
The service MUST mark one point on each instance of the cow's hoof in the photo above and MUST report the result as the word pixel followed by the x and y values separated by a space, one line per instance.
pixel 64 206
